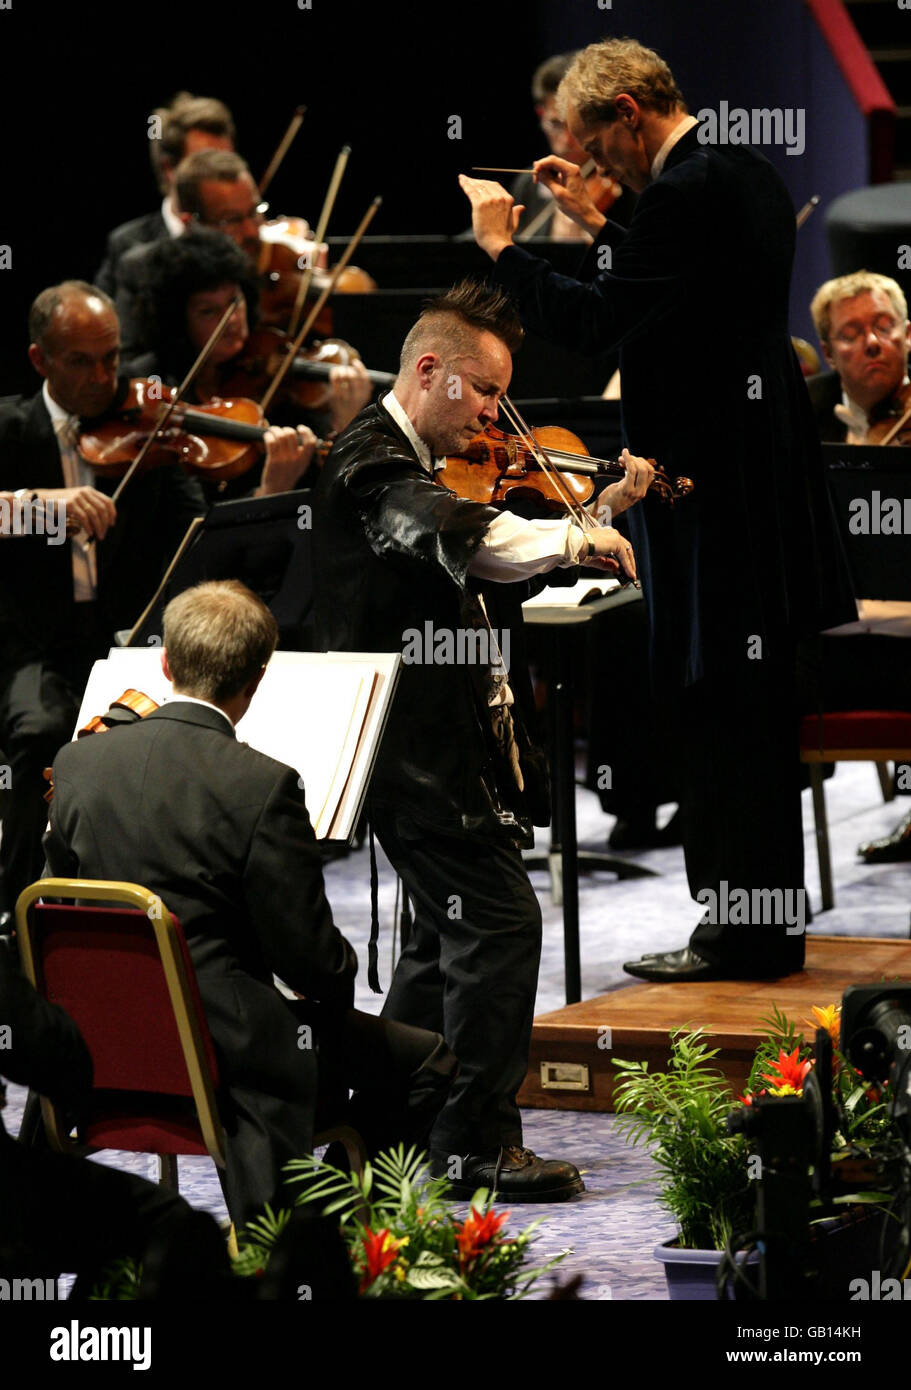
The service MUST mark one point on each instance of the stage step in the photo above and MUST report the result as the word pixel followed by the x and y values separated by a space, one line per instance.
pixel 571 1049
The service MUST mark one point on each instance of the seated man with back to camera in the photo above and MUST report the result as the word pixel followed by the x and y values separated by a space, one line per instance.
pixel 221 833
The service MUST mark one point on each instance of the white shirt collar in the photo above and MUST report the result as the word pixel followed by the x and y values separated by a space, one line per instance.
pixel 854 416
pixel 194 700
pixel 676 134
pixel 172 222
pixel 397 411
pixel 60 418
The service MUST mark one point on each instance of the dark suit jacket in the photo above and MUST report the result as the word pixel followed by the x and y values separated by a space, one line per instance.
pixel 696 298
pixel 825 394
pixel 36 579
pixel 221 833
pixel 149 227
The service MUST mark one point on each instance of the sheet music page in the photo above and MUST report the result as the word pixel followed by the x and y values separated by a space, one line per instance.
pixel 573 595
pixel 386 665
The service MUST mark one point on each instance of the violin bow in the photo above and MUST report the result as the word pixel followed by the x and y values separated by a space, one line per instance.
pixel 171 406
pixel 897 428
pixel 284 145
pixel 546 213
pixel 519 424
pixel 319 236
pixel 318 305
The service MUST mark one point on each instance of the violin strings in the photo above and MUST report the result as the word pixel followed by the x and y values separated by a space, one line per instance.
pixel 515 418
pixel 169 409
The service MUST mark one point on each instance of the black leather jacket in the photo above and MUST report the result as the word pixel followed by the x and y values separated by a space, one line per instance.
pixel 391 554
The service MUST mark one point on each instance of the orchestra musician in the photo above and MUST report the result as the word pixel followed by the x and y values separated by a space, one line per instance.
pixel 861 320
pixel 862 324
pixel 188 286
pixel 61 603
pixel 458 780
pixel 211 188
pixel 221 833
pixel 187 124
pixel 749 564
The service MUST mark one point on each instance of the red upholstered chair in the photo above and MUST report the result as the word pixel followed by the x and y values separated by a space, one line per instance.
pixel 878 736
pixel 124 975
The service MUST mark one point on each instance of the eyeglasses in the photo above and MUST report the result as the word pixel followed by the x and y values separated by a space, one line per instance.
pixel 885 330
pixel 235 220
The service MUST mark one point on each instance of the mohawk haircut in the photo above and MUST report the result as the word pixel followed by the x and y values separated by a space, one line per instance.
pixel 448 324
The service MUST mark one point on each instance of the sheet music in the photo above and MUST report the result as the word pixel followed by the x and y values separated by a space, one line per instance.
pixel 558 597
pixel 321 714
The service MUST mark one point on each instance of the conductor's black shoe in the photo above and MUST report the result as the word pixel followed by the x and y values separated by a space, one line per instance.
pixel 517 1175
pixel 894 848
pixel 668 966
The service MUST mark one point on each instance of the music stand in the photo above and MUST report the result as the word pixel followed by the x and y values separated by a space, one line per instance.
pixel 262 541
pixel 564 856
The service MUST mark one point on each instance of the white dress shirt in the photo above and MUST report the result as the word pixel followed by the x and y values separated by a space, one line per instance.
pixel 172 222
pixel 76 473
pixel 179 698
pixel 676 134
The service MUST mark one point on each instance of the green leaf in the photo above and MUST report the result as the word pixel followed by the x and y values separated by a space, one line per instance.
pixel 419 1277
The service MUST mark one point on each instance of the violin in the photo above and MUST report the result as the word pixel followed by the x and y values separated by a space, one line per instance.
pixel 287 248
pixel 218 441
pixel 497 467
pixel 891 420
pixel 132 705
pixel 306 385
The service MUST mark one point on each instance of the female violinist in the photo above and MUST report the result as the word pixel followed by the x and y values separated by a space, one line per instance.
pixel 189 283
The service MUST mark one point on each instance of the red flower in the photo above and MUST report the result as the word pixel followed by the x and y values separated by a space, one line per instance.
pixel 475 1232
pixel 788 1070
pixel 380 1250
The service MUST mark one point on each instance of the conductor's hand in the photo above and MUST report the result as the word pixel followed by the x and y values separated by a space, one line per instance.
pixel 631 489
pixel 494 214
pixel 288 455
pixel 569 191
pixel 613 552
pixel 85 508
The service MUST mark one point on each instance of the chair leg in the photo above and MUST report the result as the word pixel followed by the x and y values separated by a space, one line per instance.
pixel 822 836
pixel 350 1141
pixel 167 1171
pixel 885 781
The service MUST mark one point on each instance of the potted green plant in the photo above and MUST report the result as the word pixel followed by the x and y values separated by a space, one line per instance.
pixel 403 1238
pixel 704 1170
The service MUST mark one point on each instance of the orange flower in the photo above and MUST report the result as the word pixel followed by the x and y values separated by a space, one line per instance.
pixel 475 1232
pixel 788 1071
pixel 380 1250
pixel 828 1018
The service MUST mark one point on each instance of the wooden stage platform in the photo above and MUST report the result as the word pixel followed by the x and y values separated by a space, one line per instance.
pixel 571 1049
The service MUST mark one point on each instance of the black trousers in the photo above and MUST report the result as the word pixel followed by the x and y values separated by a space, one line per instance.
pixel 469 971
pixel 39 702
pixel 400 1077
pixel 38 708
pixel 737 738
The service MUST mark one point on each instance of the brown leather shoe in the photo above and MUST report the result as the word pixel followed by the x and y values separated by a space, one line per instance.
pixel 516 1174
